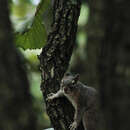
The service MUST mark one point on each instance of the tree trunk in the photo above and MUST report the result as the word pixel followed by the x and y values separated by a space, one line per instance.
pixel 16 111
pixel 115 66
pixel 55 59
pixel 95 33
pixel 108 59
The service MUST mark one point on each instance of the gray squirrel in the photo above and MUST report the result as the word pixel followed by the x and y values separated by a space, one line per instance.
pixel 83 99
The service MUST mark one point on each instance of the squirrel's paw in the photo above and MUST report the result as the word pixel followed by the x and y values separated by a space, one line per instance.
pixel 50 97
pixel 73 126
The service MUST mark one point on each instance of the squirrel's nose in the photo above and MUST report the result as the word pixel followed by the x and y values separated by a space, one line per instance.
pixel 65 89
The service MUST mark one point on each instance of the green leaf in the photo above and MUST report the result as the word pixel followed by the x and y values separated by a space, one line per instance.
pixel 35 36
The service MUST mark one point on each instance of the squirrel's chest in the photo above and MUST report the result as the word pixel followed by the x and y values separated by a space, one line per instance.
pixel 73 100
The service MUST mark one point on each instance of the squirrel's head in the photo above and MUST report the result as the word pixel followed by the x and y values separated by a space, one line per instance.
pixel 69 83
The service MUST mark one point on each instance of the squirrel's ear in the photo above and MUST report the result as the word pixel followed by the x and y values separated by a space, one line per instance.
pixel 75 79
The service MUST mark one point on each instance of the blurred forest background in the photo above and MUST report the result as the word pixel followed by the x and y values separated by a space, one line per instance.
pixel 21 15
pixel 103 27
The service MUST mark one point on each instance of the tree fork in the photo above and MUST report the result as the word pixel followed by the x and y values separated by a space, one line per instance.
pixel 55 57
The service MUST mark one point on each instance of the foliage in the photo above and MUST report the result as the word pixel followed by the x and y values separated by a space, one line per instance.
pixel 33 34
pixel 28 23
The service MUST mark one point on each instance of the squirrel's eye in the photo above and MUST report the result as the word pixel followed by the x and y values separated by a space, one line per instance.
pixel 73 81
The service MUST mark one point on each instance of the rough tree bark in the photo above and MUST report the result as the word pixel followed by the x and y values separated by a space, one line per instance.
pixel 108 59
pixel 16 112
pixel 55 58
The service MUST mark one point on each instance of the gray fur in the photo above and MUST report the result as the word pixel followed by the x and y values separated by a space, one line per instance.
pixel 83 99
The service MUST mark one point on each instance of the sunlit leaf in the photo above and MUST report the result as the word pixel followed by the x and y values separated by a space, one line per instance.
pixel 33 36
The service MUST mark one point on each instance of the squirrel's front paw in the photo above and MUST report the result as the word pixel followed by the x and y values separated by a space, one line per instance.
pixel 50 97
pixel 73 126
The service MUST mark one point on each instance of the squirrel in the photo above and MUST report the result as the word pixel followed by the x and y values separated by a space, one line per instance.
pixel 83 99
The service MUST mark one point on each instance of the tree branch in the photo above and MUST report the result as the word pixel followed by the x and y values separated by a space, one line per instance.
pixel 55 57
